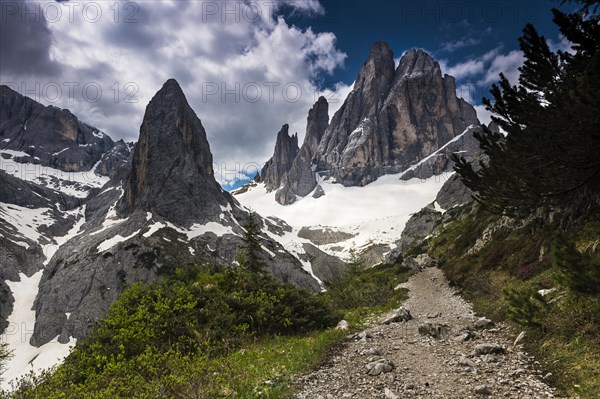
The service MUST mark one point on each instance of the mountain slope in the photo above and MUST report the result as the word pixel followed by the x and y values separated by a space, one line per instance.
pixel 81 238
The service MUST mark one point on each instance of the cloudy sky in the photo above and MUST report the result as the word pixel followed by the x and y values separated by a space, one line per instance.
pixel 247 67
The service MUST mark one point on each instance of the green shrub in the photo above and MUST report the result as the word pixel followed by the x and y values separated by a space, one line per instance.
pixel 154 333
pixel 373 287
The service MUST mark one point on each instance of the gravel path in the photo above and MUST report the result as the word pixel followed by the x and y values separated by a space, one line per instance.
pixel 443 352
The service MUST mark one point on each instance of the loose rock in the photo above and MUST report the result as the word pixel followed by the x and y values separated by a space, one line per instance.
pixel 379 366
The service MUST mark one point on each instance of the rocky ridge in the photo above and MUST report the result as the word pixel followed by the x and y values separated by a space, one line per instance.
pixel 393 118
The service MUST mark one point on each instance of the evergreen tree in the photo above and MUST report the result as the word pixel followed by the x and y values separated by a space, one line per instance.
pixel 250 258
pixel 551 154
pixel 5 355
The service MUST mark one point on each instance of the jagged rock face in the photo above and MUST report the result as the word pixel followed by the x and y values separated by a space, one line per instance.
pixel 465 145
pixel 367 98
pixel 172 167
pixel 51 136
pixel 116 163
pixel 301 177
pixel 275 170
pixel 454 193
pixel 392 119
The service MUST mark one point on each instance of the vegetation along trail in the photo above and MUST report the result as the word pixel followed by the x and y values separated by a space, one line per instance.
pixel 443 351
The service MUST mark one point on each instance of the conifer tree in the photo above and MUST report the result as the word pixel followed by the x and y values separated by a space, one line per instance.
pixel 551 153
pixel 251 259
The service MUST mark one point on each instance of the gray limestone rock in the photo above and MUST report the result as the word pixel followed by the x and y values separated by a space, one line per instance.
pixel 441 162
pixel 51 136
pixel 392 119
pixel 274 173
pixel 285 195
pixel 319 192
pixel 453 193
pixel 172 168
pixel 324 235
pixel 435 330
pixel 301 176
pixel 488 349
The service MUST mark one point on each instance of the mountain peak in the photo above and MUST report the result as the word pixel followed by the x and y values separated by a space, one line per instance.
pixel 171 85
pixel 172 168
pixel 380 48
pixel 286 149
pixel 416 61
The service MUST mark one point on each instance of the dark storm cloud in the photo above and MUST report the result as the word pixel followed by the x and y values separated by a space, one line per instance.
pixel 25 40
pixel 136 28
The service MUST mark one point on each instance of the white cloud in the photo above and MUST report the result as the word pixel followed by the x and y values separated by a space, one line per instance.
pixel 244 69
pixel 458 44
pixel 562 44
pixel 467 68
pixel 508 64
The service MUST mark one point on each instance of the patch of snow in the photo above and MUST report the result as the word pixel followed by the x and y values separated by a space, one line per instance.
pixel 5 140
pixel 438 208
pixel 194 231
pixel 375 213
pixel 28 358
pixel 61 151
pixel 268 251
pixel 154 228
pixel 192 251
pixel 111 242
pixel 108 189
pixel 76 184
pixel 98 134
pixel 22 244
pixel 200 229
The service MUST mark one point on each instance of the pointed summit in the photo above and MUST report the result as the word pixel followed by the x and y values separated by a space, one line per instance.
pixel 286 149
pixel 301 177
pixel 416 61
pixel 393 118
pixel 371 88
pixel 172 169
pixel 376 74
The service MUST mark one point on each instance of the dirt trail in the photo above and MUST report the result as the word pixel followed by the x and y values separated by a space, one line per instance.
pixel 461 362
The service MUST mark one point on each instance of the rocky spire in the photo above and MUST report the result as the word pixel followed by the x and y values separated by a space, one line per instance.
pixel 301 177
pixel 274 172
pixel 371 87
pixel 393 118
pixel 172 167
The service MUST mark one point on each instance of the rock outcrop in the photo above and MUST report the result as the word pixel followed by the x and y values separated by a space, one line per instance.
pixel 172 168
pixel 408 117
pixel 50 136
pixel 301 175
pixel 275 170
